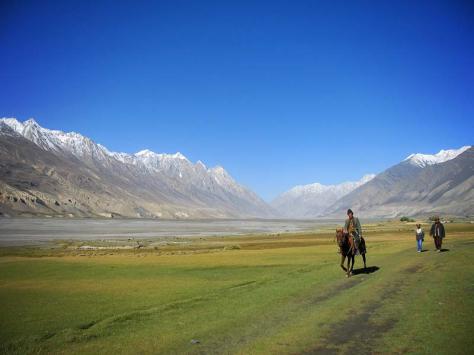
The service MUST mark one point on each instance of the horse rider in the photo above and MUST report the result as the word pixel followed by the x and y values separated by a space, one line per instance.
pixel 352 226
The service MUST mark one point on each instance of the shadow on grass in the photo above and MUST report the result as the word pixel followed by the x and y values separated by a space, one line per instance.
pixel 443 250
pixel 368 270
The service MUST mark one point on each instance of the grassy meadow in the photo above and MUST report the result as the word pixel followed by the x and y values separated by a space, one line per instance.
pixel 256 294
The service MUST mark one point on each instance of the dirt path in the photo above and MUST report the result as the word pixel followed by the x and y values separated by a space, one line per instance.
pixel 359 333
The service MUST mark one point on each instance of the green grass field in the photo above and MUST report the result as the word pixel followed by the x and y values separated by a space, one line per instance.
pixel 274 294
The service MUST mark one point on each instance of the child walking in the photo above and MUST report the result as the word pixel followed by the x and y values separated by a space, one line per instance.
pixel 420 236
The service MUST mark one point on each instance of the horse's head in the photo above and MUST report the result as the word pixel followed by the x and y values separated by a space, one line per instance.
pixel 340 237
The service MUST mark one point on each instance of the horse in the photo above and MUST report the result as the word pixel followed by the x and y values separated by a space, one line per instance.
pixel 347 250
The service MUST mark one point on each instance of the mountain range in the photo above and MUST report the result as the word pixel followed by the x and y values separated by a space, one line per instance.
pixel 440 184
pixel 422 184
pixel 52 173
pixel 309 201
pixel 47 172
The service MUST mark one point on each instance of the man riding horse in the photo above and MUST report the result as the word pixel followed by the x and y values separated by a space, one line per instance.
pixel 352 226
pixel 351 242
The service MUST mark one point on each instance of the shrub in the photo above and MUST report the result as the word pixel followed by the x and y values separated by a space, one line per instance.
pixel 232 247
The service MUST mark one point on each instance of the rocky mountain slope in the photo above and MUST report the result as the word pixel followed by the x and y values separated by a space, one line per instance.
pixel 420 185
pixel 53 173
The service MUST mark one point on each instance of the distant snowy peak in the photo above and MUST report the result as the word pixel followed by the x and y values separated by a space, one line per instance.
pixel 160 161
pixel 423 160
pixel 308 201
pixel 55 140
pixel 366 178
pixel 76 143
pixel 14 124
pixel 221 176
pixel 339 189
pixel 152 155
pixel 174 165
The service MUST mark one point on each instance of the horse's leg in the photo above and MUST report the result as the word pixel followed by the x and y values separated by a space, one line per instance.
pixel 343 257
pixel 348 265
pixel 353 260
pixel 363 258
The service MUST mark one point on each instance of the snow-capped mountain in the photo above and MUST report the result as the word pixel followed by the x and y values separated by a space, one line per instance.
pixel 441 183
pixel 305 201
pixel 101 182
pixel 422 184
pixel 57 141
pixel 442 156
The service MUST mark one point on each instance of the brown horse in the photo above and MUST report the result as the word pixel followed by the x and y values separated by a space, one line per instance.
pixel 348 250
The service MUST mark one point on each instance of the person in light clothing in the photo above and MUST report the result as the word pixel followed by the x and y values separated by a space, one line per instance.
pixel 420 236
pixel 438 233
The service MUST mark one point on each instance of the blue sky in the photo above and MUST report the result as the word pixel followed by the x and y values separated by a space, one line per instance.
pixel 280 93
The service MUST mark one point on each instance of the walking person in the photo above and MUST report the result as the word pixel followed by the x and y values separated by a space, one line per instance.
pixel 438 233
pixel 420 236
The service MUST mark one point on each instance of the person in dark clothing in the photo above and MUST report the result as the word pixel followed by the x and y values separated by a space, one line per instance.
pixel 438 233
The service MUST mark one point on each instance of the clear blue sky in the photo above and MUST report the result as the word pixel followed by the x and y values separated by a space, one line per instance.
pixel 280 93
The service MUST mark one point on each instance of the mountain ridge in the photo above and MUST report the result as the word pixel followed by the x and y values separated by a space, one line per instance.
pixel 422 160
pixel 390 193
pixel 53 173
pixel 444 187
pixel 175 187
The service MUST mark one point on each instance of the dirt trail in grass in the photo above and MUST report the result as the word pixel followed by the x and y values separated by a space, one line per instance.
pixel 358 333
pixel 312 296
pixel 277 319
pixel 95 328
